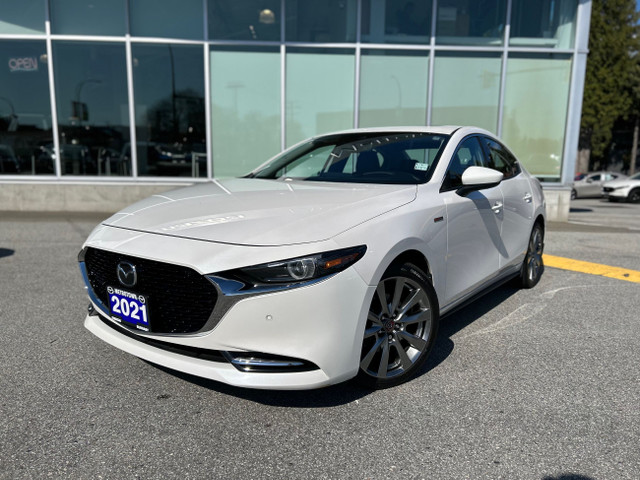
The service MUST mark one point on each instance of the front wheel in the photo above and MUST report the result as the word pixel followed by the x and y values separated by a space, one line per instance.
pixel 401 327
pixel 634 196
pixel 533 266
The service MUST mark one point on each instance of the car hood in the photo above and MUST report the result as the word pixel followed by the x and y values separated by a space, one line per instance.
pixel 621 182
pixel 262 212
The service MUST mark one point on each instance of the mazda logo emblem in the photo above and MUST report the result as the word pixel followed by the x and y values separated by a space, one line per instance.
pixel 127 275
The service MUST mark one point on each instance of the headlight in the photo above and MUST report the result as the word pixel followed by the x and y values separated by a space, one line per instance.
pixel 621 186
pixel 296 270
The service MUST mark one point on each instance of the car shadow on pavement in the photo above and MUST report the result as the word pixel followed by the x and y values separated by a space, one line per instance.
pixel 580 210
pixel 348 392
pixel 568 476
pixel 331 396
pixel 452 323
pixel 6 252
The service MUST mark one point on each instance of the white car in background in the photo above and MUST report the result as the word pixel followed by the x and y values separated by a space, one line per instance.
pixel 590 184
pixel 335 259
pixel 623 189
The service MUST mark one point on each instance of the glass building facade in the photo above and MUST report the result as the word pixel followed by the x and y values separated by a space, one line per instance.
pixel 149 90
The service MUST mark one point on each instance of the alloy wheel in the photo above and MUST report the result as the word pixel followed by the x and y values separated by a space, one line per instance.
pixel 398 330
pixel 533 265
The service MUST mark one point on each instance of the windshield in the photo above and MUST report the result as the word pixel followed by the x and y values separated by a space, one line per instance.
pixel 394 158
pixel 636 176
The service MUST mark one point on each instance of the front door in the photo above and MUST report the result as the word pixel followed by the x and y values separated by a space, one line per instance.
pixel 474 224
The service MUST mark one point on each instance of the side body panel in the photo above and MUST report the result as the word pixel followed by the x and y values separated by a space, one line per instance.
pixel 474 240
pixel 518 219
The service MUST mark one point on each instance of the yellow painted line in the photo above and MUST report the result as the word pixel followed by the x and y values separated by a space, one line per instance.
pixel 618 273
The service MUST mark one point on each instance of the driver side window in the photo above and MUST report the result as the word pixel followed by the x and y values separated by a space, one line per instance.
pixel 468 154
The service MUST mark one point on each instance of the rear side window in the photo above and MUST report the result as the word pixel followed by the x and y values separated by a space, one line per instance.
pixel 501 159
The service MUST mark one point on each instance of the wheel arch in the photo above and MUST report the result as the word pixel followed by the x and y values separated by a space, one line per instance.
pixel 415 257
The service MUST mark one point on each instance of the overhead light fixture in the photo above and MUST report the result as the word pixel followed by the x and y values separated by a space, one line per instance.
pixel 267 16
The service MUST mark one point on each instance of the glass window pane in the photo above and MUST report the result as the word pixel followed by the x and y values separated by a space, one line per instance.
pixel 322 22
pixel 320 92
pixel 22 16
pixel 535 111
pixel 470 22
pixel 393 21
pixel 25 109
pixel 245 109
pixel 167 18
pixel 246 20
pixel 466 90
pixel 500 159
pixel 93 109
pixel 168 83
pixel 393 88
pixel 547 23
pixel 468 154
pixel 79 17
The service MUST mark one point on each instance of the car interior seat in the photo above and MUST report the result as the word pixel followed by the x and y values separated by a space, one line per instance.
pixel 367 162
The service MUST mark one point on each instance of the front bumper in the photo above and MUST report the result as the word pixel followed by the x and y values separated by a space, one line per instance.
pixel 620 193
pixel 319 324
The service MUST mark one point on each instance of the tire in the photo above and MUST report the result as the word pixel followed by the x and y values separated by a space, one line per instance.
pixel 634 196
pixel 533 266
pixel 574 194
pixel 401 328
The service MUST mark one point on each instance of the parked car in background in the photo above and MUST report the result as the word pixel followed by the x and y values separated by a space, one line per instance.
pixel 622 189
pixel 590 184
pixel 333 260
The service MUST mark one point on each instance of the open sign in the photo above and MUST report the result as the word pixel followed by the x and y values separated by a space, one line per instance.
pixel 23 64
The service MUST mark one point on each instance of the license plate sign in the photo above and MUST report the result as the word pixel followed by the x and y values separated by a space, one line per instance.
pixel 129 307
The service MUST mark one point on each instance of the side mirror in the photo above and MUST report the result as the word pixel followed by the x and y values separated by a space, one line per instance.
pixel 589 180
pixel 477 178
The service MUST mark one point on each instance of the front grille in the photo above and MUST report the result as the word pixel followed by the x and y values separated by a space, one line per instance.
pixel 179 299
pixel 608 189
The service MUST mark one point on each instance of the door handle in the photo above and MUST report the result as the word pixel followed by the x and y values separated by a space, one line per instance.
pixel 496 207
pixel 527 197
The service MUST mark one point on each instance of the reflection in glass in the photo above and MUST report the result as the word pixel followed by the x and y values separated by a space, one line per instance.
pixel 245 109
pixel 170 120
pixel 22 16
pixel 320 91
pixel 167 18
pixel 246 20
pixel 396 21
pixel 322 22
pixel 93 110
pixel 535 111
pixel 25 108
pixel 466 89
pixel 393 88
pixel 79 17
pixel 546 23
pixel 470 22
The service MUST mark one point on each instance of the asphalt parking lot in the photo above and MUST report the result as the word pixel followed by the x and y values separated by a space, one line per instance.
pixel 535 384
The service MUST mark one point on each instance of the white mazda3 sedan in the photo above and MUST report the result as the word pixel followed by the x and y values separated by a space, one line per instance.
pixel 624 189
pixel 335 259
